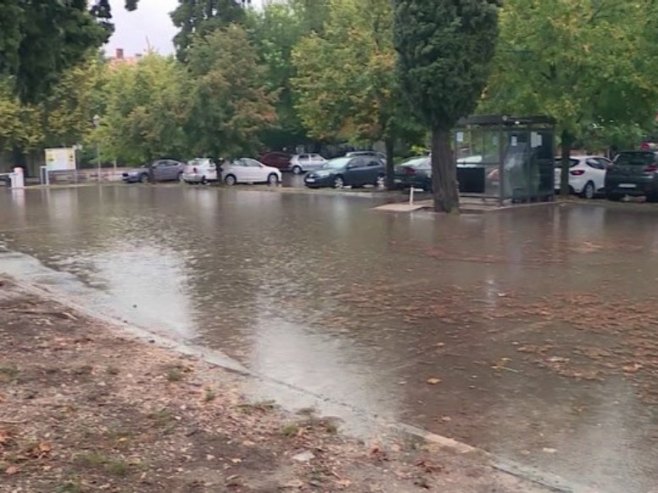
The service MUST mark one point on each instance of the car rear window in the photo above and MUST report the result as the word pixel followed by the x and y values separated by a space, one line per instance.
pixel 635 158
pixel 558 163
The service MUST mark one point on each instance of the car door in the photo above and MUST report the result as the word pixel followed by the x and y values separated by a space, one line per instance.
pixel 240 170
pixel 257 172
pixel 596 172
pixel 374 168
pixel 604 164
pixel 315 162
pixel 356 172
pixel 159 170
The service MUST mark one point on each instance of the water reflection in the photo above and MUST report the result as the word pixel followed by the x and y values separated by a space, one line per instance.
pixel 362 308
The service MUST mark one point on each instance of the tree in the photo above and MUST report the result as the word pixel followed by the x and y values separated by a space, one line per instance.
pixel 274 32
pixel 200 18
pixel 146 110
pixel 444 53
pixel 589 64
pixel 67 113
pixel 40 40
pixel 230 103
pixel 346 83
pixel 20 127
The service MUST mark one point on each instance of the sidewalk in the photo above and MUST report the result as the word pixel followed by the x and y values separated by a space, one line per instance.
pixel 86 407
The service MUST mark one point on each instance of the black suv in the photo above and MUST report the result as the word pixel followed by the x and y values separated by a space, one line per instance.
pixel 633 173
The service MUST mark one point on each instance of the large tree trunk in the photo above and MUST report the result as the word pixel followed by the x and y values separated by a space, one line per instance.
pixel 444 172
pixel 390 164
pixel 565 165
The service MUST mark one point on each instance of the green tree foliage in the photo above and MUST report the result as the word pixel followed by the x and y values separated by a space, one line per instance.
pixel 146 109
pixel 39 40
pixel 230 102
pixel 20 128
pixel 67 113
pixel 346 82
pixel 274 32
pixel 588 63
pixel 445 48
pixel 198 18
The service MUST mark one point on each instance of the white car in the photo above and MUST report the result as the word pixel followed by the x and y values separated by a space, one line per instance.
pixel 586 175
pixel 301 163
pixel 200 170
pixel 247 170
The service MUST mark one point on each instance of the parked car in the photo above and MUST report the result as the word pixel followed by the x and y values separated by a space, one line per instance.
pixel 161 170
pixel 415 172
pixel 276 159
pixel 379 155
pixel 247 170
pixel 348 171
pixel 586 175
pixel 302 163
pixel 633 173
pixel 200 170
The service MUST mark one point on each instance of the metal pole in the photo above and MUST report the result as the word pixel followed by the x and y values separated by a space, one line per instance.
pixel 98 159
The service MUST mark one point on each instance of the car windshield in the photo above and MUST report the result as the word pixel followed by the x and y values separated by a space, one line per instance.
pixel 337 163
pixel 635 158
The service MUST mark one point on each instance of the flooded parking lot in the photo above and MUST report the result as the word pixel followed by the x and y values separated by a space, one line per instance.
pixel 529 333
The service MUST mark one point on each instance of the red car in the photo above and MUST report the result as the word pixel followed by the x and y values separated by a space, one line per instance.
pixel 276 159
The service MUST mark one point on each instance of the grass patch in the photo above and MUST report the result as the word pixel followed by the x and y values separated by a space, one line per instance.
pixel 174 374
pixel 209 395
pixel 262 406
pixel 290 430
pixel 70 487
pixel 8 373
pixel 101 462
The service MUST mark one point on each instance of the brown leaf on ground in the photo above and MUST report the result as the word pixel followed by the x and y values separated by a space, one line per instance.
pixel 11 470
pixel 434 381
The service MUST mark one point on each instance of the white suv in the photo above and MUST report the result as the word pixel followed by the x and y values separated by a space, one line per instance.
pixel 302 163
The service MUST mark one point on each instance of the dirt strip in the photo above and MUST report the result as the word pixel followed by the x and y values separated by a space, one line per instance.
pixel 86 407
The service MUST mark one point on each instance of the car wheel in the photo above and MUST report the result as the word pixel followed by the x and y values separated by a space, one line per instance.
pixel 204 181
pixel 273 180
pixel 380 183
pixel 339 183
pixel 230 180
pixel 589 191
pixel 144 178
pixel 614 197
pixel 297 170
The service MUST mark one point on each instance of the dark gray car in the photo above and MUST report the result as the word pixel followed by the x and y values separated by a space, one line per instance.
pixel 160 170
pixel 633 173
pixel 348 171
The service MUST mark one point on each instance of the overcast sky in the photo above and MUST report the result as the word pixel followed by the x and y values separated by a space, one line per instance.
pixel 150 21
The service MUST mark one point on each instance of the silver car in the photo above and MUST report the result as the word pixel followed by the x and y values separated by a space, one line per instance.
pixel 301 163
pixel 159 170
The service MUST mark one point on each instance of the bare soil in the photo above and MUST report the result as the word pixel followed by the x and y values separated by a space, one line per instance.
pixel 86 407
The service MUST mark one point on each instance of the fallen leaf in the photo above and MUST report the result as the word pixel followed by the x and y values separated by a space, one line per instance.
pixel 11 470
pixel 434 381
pixel 236 461
pixel 549 450
pixel 294 484
pixel 634 368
